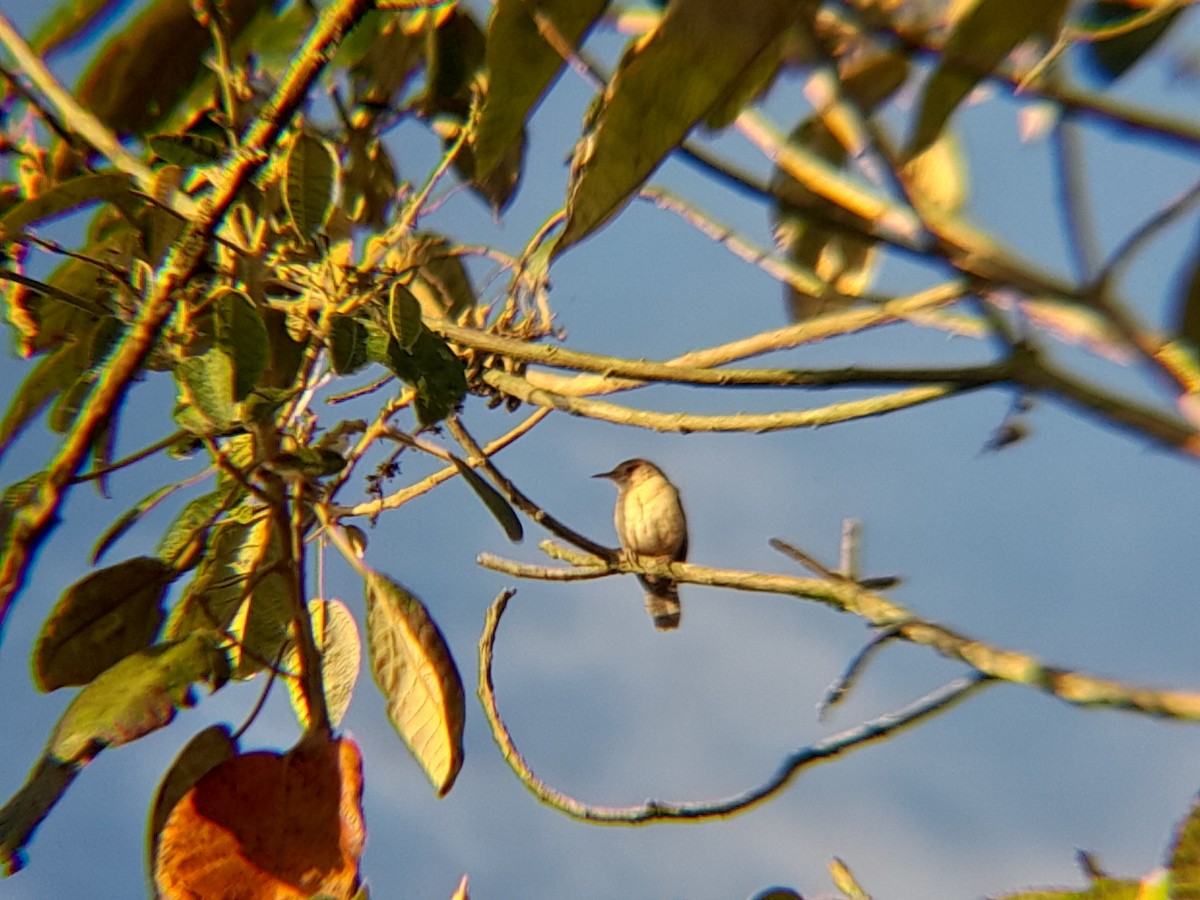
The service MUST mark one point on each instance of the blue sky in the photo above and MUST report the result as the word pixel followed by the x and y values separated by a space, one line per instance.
pixel 1077 545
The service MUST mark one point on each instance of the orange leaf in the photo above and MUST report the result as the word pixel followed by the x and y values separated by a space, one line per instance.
pixel 268 826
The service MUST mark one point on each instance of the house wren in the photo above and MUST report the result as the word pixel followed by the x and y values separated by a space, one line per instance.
pixel 651 526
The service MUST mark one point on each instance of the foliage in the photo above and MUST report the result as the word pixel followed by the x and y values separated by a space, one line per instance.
pixel 258 248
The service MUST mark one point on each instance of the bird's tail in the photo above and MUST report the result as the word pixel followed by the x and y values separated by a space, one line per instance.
pixel 662 602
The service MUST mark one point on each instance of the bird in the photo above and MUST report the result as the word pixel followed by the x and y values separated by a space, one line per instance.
pixel 651 526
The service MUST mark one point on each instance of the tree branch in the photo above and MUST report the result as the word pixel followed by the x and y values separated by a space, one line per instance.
pixel 659 811
pixel 993 662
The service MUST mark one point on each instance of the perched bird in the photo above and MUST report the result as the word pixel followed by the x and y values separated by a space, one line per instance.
pixel 651 526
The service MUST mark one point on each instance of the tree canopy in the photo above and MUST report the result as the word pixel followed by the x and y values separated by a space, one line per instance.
pixel 282 276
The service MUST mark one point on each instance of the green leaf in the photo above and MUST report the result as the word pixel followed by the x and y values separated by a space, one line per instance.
pixel 431 367
pixel 310 184
pixel 52 374
pixel 336 635
pixel 521 68
pixel 27 808
pixel 14 499
pixel 1109 59
pixel 347 345
pixel 63 198
pixel 136 696
pixel 73 400
pixel 70 403
pixel 201 755
pixel 495 503
pixel 413 667
pixel 665 84
pixel 237 590
pixel 404 316
pixel 206 385
pixel 309 463
pixel 454 55
pixel 1187 318
pixel 185 538
pixel 980 42
pixel 187 150
pixel 100 620
pixel 148 67
pixel 1185 855
pixel 241 332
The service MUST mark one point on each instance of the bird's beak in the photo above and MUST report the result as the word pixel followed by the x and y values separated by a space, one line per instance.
pixel 609 475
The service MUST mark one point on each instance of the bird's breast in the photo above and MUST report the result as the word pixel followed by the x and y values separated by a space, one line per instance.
pixel 650 519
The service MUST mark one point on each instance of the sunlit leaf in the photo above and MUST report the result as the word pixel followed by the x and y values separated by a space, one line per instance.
pixel 495 503
pixel 310 186
pixel 239 589
pixel 842 258
pixel 404 316
pixel 664 85
pixel 136 696
pixel 521 67
pixel 336 634
pixel 938 174
pixel 1185 855
pixel 184 539
pixel 187 150
pixel 61 199
pixel 413 667
pixel 201 755
pixel 149 66
pixel 844 880
pixel 980 42
pixel 232 550
pixel 241 332
pixel 53 373
pixel 206 385
pixel 347 345
pixel 100 620
pixel 268 826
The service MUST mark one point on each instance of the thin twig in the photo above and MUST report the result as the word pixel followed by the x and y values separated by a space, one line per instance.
pixel 478 457
pixel 129 460
pixel 425 485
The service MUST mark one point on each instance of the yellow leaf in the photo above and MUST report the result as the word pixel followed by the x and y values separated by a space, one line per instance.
pixel 336 634
pixel 413 667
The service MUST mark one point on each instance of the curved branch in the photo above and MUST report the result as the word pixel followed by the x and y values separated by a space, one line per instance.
pixel 659 811
pixel 523 390
pixel 642 370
